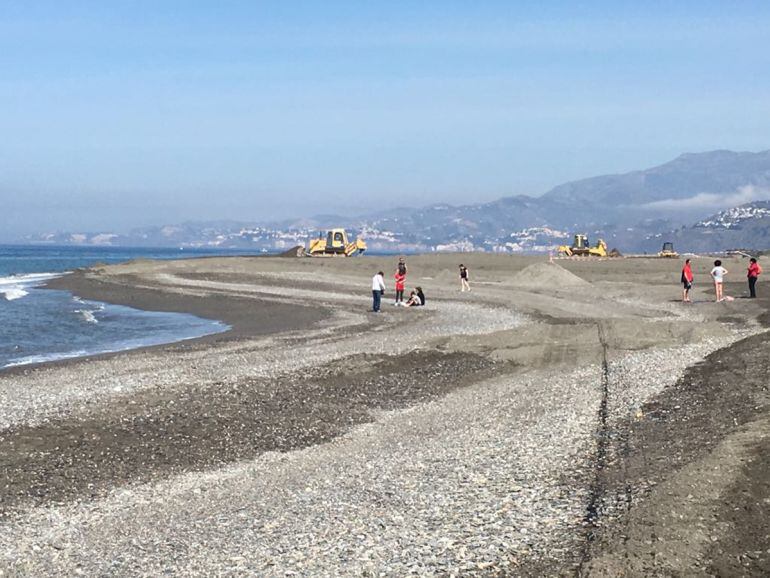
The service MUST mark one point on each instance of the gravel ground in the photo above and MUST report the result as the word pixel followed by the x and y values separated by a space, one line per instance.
pixel 467 484
pixel 635 378
pixel 488 479
pixel 162 433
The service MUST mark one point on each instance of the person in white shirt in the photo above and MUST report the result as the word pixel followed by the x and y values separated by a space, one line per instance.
pixel 718 273
pixel 378 288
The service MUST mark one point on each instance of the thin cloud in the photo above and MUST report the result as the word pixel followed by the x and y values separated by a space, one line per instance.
pixel 741 196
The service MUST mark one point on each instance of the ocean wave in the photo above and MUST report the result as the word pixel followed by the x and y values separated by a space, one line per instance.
pixel 29 278
pixel 11 293
pixel 88 315
pixel 15 286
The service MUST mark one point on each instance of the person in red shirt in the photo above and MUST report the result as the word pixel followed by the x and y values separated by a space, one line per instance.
pixel 400 285
pixel 687 279
pixel 754 271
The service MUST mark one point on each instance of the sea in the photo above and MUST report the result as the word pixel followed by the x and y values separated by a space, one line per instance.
pixel 39 325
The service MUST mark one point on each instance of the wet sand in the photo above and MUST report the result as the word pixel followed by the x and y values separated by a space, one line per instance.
pixel 247 317
pixel 556 415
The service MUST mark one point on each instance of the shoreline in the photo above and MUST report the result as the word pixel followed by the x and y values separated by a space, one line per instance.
pixel 246 318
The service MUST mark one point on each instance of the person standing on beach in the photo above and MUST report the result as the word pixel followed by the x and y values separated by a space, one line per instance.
pixel 464 285
pixel 687 279
pixel 718 273
pixel 754 271
pixel 378 290
pixel 400 286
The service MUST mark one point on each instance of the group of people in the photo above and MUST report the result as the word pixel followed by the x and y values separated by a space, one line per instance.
pixel 416 297
pixel 718 275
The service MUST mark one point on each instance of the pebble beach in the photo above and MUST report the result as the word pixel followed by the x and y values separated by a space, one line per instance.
pixel 493 432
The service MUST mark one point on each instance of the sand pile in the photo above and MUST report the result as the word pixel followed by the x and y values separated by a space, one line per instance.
pixel 298 251
pixel 547 276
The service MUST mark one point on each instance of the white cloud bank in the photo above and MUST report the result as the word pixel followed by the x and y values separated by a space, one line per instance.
pixel 741 196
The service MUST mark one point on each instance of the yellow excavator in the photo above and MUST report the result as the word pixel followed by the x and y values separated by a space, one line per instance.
pixel 335 243
pixel 581 248
pixel 668 251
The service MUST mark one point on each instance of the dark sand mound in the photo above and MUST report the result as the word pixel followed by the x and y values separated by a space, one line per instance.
pixel 298 251
pixel 547 275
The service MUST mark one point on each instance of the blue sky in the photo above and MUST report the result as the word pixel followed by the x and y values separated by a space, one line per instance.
pixel 154 112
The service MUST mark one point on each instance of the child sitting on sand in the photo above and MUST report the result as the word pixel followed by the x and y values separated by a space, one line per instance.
pixel 416 298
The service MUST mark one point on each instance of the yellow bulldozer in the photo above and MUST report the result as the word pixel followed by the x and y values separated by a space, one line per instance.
pixel 668 251
pixel 335 243
pixel 582 248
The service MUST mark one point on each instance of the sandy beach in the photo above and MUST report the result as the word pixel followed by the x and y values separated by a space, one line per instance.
pixel 572 418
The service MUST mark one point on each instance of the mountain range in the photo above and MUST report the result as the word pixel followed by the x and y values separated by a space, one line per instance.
pixel 703 202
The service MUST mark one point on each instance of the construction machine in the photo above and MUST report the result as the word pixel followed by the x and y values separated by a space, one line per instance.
pixel 333 243
pixel 668 251
pixel 582 248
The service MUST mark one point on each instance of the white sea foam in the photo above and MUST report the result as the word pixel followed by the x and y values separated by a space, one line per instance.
pixel 44 358
pixel 15 286
pixel 13 292
pixel 88 315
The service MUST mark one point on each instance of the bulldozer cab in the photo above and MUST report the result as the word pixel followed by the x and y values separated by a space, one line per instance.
pixel 581 242
pixel 668 250
pixel 336 241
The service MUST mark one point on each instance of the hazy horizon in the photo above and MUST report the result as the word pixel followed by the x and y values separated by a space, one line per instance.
pixel 121 117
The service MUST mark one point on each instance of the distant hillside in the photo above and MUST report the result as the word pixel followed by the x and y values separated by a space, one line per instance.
pixel 632 211
pixel 744 227
pixel 686 177
pixel 683 190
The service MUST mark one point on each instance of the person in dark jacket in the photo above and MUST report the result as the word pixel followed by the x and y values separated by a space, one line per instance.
pixel 464 277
